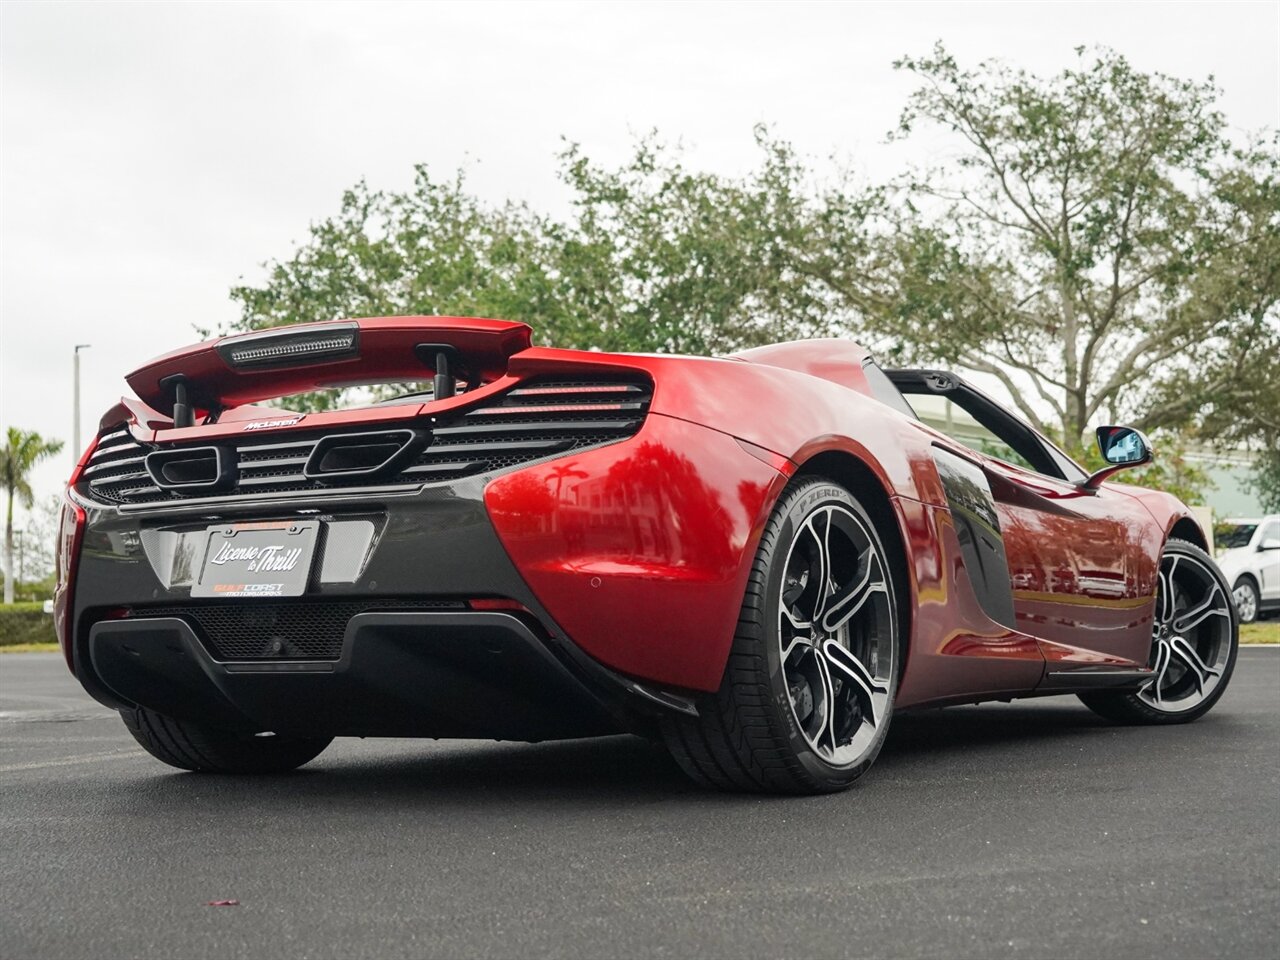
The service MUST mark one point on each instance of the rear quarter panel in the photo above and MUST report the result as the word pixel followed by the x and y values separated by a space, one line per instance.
pixel 666 608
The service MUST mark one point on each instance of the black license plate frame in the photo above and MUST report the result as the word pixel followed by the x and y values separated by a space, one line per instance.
pixel 269 559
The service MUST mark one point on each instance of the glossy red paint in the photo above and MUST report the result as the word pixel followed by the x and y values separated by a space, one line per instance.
pixel 1081 565
pixel 640 550
pixel 839 361
pixel 792 414
pixel 148 425
pixel 1088 597
pixel 1166 510
pixel 955 650
pixel 386 354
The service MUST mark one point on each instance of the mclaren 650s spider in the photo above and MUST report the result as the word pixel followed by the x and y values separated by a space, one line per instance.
pixel 756 559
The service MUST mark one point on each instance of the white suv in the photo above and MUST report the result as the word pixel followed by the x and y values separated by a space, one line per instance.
pixel 1249 555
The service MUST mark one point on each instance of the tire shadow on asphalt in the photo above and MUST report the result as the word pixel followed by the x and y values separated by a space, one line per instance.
pixel 461 772
pixel 990 725
pixel 606 769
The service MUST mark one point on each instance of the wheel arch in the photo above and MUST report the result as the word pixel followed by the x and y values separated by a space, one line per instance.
pixel 857 476
pixel 1247 575
pixel 1186 528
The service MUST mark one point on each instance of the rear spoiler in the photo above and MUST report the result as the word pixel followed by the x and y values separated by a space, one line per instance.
pixel 233 371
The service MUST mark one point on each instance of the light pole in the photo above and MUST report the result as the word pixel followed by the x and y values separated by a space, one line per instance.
pixel 75 427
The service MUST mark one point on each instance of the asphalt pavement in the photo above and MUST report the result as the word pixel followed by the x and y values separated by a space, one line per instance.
pixel 1023 830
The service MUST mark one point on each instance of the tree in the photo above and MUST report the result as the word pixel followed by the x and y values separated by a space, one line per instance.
pixel 1266 480
pixel 1231 393
pixel 22 451
pixel 433 249
pixel 661 258
pixel 1096 244
pixel 655 257
pixel 1088 243
pixel 37 544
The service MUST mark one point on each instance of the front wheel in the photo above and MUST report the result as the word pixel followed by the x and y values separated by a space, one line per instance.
pixel 192 746
pixel 1194 644
pixel 807 695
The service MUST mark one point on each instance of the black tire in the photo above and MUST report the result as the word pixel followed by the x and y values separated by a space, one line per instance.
pixel 1137 707
pixel 190 746
pixel 747 736
pixel 1248 612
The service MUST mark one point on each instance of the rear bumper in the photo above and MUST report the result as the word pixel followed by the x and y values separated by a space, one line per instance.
pixel 480 675
pixel 630 559
pixel 460 673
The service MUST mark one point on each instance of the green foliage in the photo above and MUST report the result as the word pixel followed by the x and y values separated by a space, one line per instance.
pixel 1265 482
pixel 1084 241
pixel 33 591
pixel 661 258
pixel 656 258
pixel 1094 241
pixel 434 249
pixel 1230 388
pixel 22 451
pixel 25 623
pixel 35 543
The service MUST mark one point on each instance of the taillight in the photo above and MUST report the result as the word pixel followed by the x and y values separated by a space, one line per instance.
pixel 292 348
pixel 69 530
pixel 70 535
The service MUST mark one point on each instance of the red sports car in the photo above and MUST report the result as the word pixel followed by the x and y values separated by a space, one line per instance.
pixel 757 559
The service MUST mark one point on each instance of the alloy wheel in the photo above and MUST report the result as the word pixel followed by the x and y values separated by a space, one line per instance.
pixel 836 624
pixel 1246 601
pixel 1193 633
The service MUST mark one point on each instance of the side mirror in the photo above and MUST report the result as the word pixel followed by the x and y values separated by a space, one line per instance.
pixel 1271 543
pixel 1121 447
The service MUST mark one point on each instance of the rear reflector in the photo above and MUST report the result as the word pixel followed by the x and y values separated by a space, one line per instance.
pixel 498 603
pixel 292 348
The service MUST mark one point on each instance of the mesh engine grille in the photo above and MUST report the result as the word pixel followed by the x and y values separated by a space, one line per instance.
pixel 310 629
pixel 539 419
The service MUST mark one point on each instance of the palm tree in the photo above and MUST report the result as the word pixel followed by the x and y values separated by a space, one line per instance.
pixel 23 451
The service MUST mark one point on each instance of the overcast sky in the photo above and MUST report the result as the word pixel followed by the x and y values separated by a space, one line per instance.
pixel 152 154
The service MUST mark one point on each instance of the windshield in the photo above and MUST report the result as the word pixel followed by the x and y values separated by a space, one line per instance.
pixel 1228 536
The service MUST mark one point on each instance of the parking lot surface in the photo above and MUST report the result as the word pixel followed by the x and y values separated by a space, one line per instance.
pixel 1024 830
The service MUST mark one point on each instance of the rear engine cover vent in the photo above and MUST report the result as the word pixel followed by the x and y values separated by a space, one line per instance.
pixel 535 421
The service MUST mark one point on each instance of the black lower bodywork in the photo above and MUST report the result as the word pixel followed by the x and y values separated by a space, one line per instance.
pixel 479 675
pixel 398 647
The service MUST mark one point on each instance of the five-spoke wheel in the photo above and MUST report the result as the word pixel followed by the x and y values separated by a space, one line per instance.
pixel 1193 649
pixel 808 692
